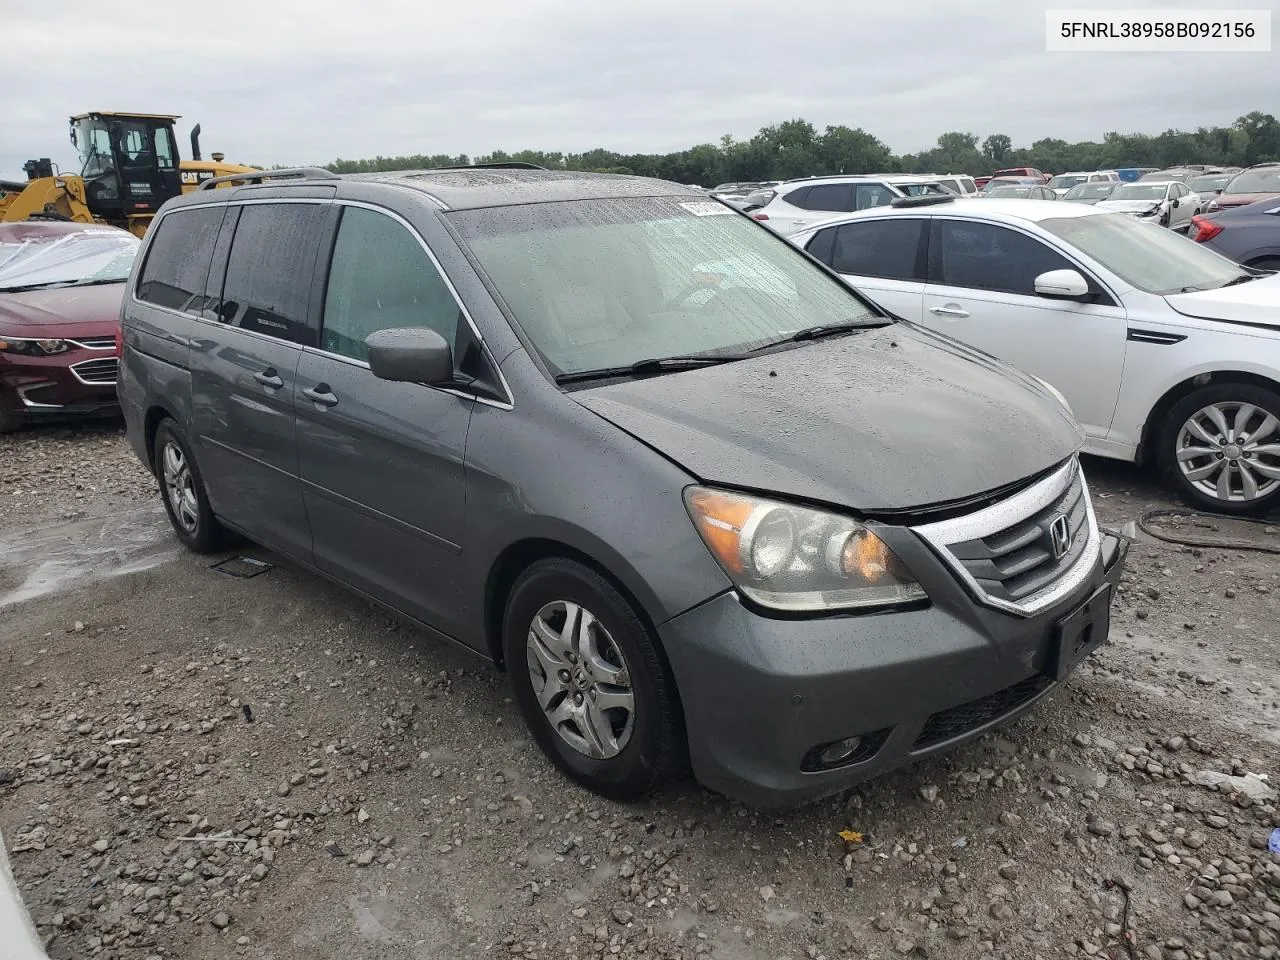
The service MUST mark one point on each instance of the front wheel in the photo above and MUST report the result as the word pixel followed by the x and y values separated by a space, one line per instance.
pixel 1220 447
pixel 590 681
pixel 182 488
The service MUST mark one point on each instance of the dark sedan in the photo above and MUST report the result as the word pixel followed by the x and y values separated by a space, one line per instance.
pixel 60 289
pixel 1248 235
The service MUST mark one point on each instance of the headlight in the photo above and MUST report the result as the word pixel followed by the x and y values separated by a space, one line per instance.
pixel 35 348
pixel 1057 393
pixel 792 558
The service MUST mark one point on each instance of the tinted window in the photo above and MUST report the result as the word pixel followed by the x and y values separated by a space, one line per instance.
pixel 177 264
pixel 988 257
pixel 822 244
pixel 380 278
pixel 269 273
pixel 878 248
pixel 837 197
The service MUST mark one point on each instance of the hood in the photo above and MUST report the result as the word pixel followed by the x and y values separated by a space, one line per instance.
pixel 62 311
pixel 17 933
pixel 890 419
pixel 1242 199
pixel 1256 303
pixel 1128 206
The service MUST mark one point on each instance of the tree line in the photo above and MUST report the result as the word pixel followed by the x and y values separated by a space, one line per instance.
pixel 795 148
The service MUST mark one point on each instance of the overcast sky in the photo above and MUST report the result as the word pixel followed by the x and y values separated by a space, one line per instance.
pixel 280 81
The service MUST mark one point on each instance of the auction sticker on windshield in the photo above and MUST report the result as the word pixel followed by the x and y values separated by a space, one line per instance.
pixel 708 208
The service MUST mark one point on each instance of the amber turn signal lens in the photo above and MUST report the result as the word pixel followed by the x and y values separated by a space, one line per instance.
pixel 720 518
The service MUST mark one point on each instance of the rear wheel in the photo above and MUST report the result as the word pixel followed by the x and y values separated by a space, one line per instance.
pixel 1220 446
pixel 182 489
pixel 593 688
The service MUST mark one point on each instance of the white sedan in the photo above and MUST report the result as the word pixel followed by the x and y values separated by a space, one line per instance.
pixel 1170 203
pixel 1165 351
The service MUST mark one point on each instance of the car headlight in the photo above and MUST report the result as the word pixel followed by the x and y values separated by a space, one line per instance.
pixel 34 348
pixel 1061 397
pixel 793 558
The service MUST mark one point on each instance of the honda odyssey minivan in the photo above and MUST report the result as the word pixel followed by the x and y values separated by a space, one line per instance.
pixel 704 503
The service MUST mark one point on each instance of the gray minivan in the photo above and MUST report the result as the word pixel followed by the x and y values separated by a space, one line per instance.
pixel 706 504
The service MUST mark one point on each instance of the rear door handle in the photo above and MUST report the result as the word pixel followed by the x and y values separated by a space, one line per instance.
pixel 269 378
pixel 321 395
pixel 950 310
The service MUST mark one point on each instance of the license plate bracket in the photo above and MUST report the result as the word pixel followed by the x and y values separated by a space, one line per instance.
pixel 1080 632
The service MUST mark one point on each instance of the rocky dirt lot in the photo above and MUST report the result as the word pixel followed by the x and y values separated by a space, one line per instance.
pixel 198 766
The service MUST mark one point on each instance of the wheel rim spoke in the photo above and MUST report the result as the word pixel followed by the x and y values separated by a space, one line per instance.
pixel 1220 421
pixel 1267 470
pixel 1248 482
pixel 1263 450
pixel 1266 429
pixel 1224 482
pixel 1205 472
pixel 1200 433
pixel 1240 422
pixel 1194 453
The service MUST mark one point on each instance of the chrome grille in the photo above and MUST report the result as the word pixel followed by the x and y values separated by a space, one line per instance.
pixel 100 372
pixel 1006 553
pixel 95 343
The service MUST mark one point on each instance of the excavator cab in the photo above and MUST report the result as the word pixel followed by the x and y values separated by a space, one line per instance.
pixel 129 162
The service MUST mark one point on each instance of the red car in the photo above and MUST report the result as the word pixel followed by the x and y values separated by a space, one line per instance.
pixel 1260 182
pixel 1030 173
pixel 60 290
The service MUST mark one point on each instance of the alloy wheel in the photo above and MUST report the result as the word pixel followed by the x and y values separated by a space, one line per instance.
pixel 1230 451
pixel 581 679
pixel 179 486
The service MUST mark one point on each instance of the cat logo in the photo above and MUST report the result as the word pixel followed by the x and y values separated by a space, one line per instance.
pixel 193 177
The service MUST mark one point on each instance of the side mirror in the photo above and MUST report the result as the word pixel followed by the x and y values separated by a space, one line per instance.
pixel 1062 285
pixel 1177 202
pixel 410 355
pixel 1219 190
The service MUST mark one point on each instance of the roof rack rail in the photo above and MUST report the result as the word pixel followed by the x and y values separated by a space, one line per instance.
pixel 923 200
pixel 501 165
pixel 257 176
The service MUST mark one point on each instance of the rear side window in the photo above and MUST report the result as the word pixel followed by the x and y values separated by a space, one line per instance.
pixel 836 197
pixel 380 278
pixel 868 195
pixel 270 271
pixel 177 265
pixel 878 248
pixel 984 256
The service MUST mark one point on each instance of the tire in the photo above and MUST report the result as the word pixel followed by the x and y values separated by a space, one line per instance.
pixel 193 522
pixel 1199 479
pixel 641 747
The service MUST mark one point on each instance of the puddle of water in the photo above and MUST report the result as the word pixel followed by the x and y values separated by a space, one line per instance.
pixel 55 557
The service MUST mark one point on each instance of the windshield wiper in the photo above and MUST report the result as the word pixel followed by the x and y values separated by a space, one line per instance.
pixel 57 285
pixel 819 332
pixel 1243 278
pixel 656 365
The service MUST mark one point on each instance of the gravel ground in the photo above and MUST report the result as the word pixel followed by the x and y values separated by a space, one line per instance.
pixel 198 766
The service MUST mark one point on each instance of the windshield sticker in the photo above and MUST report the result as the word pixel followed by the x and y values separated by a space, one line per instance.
pixel 708 208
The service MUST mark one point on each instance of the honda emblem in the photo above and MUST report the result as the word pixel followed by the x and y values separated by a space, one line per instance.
pixel 1060 536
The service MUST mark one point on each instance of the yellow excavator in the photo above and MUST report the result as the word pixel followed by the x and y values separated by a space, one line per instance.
pixel 129 166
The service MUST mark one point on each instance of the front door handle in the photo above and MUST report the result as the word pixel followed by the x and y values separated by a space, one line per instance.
pixel 321 395
pixel 950 310
pixel 269 378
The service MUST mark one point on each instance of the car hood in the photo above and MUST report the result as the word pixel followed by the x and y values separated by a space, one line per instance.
pixel 17 933
pixel 1128 206
pixel 1256 303
pixel 88 310
pixel 1242 199
pixel 890 419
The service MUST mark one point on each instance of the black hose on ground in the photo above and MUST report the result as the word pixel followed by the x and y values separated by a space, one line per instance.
pixel 1213 543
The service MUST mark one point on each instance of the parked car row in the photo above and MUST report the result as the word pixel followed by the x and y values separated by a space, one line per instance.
pixel 1167 352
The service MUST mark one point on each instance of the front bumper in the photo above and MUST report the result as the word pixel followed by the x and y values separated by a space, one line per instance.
pixel 77 383
pixel 760 694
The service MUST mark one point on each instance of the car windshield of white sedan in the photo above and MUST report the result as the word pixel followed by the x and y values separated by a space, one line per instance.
pixel 1149 257
pixel 1063 181
pixel 1089 191
pixel 1139 191
pixel 92 255
pixel 1255 181
pixel 602 284
pixel 997 193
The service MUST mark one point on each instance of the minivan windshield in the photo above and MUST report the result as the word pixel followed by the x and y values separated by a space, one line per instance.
pixel 604 284
pixel 1149 257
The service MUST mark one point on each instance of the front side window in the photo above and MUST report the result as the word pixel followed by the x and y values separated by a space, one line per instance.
pixel 381 278
pixel 878 248
pixel 177 266
pixel 985 256
pixel 268 283
pixel 602 284
pixel 164 148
